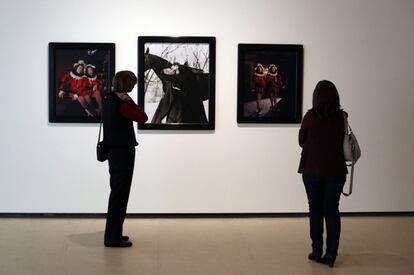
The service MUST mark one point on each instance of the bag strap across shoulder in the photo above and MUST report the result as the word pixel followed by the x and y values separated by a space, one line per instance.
pixel 100 126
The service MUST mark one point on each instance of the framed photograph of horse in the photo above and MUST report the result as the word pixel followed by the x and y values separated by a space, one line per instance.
pixel 79 75
pixel 269 83
pixel 176 82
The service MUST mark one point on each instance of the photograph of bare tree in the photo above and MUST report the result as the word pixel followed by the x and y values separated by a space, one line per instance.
pixel 176 82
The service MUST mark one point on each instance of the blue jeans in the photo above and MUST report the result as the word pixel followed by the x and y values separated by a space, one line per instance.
pixel 323 198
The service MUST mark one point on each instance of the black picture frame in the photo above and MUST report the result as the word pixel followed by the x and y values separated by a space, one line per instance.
pixel 74 98
pixel 280 92
pixel 176 88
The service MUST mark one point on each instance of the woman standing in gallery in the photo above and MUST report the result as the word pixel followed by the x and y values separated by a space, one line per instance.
pixel 323 169
pixel 119 112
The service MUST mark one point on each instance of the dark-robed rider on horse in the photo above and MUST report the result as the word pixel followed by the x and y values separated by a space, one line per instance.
pixel 184 88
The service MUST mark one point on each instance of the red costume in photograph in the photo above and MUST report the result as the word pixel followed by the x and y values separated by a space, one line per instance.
pixel 274 83
pixel 73 84
pixel 259 83
pixel 92 85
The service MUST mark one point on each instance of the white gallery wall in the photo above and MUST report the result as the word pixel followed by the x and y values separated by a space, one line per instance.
pixel 364 46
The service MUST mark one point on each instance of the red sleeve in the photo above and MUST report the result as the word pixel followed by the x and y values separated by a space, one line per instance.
pixel 63 81
pixel 132 111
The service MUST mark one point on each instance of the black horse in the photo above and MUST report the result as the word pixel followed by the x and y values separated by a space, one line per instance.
pixel 184 91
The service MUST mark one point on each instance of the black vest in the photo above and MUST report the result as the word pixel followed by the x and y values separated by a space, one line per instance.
pixel 117 130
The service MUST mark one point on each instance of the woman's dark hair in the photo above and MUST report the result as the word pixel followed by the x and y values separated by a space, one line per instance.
pixel 325 100
pixel 124 81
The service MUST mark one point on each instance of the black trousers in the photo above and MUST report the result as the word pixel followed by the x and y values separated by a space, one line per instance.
pixel 323 198
pixel 121 162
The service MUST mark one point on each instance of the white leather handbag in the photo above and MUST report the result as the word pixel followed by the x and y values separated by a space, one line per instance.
pixel 352 151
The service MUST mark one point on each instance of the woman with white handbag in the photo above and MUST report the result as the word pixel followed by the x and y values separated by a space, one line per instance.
pixel 323 169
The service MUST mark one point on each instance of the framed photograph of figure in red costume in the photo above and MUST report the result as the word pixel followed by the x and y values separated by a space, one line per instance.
pixel 269 83
pixel 80 75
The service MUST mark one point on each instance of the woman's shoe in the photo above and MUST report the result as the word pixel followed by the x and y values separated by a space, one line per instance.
pixel 328 260
pixel 125 238
pixel 120 243
pixel 317 257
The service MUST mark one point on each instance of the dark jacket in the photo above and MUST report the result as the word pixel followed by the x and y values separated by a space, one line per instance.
pixel 322 140
pixel 117 129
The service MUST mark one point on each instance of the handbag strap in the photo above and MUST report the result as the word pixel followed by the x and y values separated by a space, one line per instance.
pixel 100 127
pixel 346 125
pixel 351 181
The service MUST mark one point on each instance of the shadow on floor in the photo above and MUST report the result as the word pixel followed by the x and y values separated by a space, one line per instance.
pixel 88 240
pixel 376 260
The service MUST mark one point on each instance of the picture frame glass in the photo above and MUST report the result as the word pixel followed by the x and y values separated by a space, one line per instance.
pixel 176 77
pixel 270 83
pixel 79 76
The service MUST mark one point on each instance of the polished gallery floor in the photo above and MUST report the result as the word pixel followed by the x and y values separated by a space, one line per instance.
pixel 369 245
